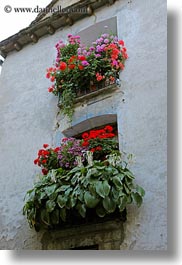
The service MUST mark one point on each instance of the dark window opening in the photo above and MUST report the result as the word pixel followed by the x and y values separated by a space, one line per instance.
pixel 92 247
pixel 114 125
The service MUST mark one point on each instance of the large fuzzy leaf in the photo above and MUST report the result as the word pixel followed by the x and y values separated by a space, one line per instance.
pixel 122 203
pixel 50 205
pixel 90 200
pixel 100 211
pixel 45 217
pixel 103 188
pixel 117 182
pixel 50 189
pixel 137 198
pixel 109 205
pixel 61 200
pixel 140 190
pixel 81 209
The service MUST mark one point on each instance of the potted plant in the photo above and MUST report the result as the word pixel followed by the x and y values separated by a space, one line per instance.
pixel 81 188
pixel 79 69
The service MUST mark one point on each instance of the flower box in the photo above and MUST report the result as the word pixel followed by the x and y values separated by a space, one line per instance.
pixel 80 70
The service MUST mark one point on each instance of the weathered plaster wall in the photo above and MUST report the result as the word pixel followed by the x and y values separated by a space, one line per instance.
pixel 28 119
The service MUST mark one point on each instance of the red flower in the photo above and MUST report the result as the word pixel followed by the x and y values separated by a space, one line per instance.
pixel 46 153
pixel 99 77
pixel 72 58
pixel 62 66
pixel 108 128
pixel 45 145
pixel 85 135
pixel 81 57
pixel 50 89
pixel 36 161
pixel 71 66
pixel 86 143
pixel 57 149
pixel 124 49
pixel 92 150
pixel 121 66
pixel 80 67
pixel 48 75
pixel 121 42
pixel 44 161
pixel 52 79
pixel 44 171
pixel 98 148
pixel 40 152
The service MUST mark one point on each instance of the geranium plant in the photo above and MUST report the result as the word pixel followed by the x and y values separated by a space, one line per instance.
pixel 101 141
pixel 77 67
pixel 79 186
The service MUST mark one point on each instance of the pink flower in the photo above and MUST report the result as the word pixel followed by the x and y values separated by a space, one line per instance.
pixel 85 63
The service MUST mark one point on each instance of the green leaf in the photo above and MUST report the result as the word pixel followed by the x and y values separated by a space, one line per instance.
pixel 61 200
pixel 140 191
pixel 71 201
pixel 74 170
pixel 115 193
pixel 90 200
pixel 111 170
pixel 120 176
pixel 129 174
pixel 50 189
pixel 63 214
pixel 92 172
pixel 45 217
pixel 80 196
pixel 100 167
pixel 74 179
pixel 126 189
pixel 137 198
pixel 63 188
pixel 50 205
pixel 100 211
pixel 122 203
pixel 109 205
pixel 81 209
pixel 117 182
pixel 67 192
pixel 53 196
pixel 42 195
pixel 103 188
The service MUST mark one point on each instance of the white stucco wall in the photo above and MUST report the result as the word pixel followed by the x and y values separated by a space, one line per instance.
pixel 28 119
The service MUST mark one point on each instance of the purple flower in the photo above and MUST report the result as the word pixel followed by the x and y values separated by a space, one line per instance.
pixel 85 63
pixel 91 49
pixel 77 37
pixel 79 50
pixel 62 45
pixel 106 41
pixel 103 46
pixel 84 52
pixel 105 35
pixel 97 55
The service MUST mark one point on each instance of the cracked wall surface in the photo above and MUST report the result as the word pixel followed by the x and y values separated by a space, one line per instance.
pixel 28 119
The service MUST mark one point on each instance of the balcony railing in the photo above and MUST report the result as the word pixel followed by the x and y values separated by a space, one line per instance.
pixel 93 87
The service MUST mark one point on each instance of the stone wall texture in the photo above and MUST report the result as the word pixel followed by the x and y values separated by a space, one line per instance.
pixel 28 118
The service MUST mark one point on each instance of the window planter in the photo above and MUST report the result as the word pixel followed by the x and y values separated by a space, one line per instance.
pixel 84 182
pixel 92 91
pixel 81 70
